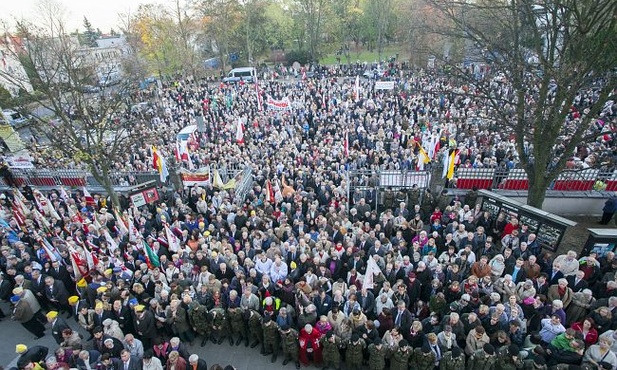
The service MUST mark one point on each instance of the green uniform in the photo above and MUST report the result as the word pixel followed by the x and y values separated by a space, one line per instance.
pixel 353 354
pixel 480 360
pixel 506 362
pixel 255 333
pixel 198 317
pixel 400 358
pixel 290 344
pixel 443 200
pixel 427 205
pixel 423 361
pixel 388 199
pixel 271 337
pixel 529 365
pixel 377 356
pixel 449 362
pixel 237 322
pixel 219 323
pixel 330 351
pixel 413 197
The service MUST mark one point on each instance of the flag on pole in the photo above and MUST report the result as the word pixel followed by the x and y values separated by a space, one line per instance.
pixel 112 243
pixel 217 182
pixel 451 163
pixel 63 194
pixel 133 232
pixel 152 260
pixel 260 106
pixel 21 202
pixel 51 251
pixel 240 132
pixel 120 224
pixel 346 144
pixel 19 216
pixel 172 240
pixel 91 257
pixel 89 198
pixel 44 205
pixel 423 158
pixel 371 270
pixel 80 265
pixel 278 194
pixel 269 192
pixel 357 89
pixel 159 164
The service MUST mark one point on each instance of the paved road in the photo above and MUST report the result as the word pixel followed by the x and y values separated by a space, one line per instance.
pixel 243 358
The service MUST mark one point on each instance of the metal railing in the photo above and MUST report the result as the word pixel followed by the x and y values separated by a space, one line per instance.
pixel 516 179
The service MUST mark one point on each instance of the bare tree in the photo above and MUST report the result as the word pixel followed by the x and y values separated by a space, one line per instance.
pixel 87 126
pixel 552 69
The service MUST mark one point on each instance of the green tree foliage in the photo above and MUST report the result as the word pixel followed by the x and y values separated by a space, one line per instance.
pixel 89 36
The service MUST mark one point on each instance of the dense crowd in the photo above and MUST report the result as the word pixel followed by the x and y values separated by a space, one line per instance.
pixel 383 125
pixel 306 274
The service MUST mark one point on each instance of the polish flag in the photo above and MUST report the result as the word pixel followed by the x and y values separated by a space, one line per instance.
pixel 89 197
pixel 240 132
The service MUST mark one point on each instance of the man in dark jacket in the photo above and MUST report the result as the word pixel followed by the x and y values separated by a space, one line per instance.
pixel 28 355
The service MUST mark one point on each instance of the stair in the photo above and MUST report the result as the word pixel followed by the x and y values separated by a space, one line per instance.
pixel 11 138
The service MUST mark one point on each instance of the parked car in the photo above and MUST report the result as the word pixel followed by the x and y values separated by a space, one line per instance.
pixel 374 73
pixel 13 118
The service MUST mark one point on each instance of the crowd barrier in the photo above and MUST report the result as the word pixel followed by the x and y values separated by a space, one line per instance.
pixel 516 179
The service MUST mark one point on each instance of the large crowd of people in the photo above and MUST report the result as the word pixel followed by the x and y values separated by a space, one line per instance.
pixel 305 275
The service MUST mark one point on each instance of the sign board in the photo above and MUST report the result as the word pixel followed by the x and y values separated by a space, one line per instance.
pixel 19 160
pixel 549 228
pixel 384 85
pixel 200 177
pixel 138 200
pixel 145 196
pixel 273 104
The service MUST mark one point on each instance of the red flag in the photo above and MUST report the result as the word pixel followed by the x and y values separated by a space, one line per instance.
pixel 240 132
pixel 269 192
pixel 19 216
pixel 89 198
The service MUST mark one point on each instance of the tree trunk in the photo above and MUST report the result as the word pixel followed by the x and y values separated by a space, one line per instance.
pixel 102 176
pixel 537 191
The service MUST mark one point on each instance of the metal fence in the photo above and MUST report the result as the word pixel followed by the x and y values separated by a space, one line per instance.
pixel 371 185
pixel 516 179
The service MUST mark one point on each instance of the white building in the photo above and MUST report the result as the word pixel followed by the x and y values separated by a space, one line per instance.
pixel 12 74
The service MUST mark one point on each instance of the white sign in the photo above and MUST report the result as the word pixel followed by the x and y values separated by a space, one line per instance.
pixel 384 85
pixel 19 161
pixel 138 199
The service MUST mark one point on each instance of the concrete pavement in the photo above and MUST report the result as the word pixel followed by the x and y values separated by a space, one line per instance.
pixel 241 357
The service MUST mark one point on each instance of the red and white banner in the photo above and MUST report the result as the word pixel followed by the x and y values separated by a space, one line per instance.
pixel 283 104
pixel 200 177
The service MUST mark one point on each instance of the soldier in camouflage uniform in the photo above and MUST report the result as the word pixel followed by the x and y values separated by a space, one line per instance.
pixel 508 358
pixel 198 317
pixel 427 206
pixel 413 196
pixel 353 353
pixel 238 327
pixel 290 344
pixel 452 360
pixel 254 322
pixel 482 359
pixel 219 324
pixel 271 337
pixel 388 199
pixel 330 344
pixel 443 200
pixel 377 353
pixel 423 358
pixel 400 356
pixel 401 197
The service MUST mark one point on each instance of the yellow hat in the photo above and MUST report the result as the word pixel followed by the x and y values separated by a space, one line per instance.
pixel 20 348
pixel 140 308
pixel 101 289
pixel 18 290
pixel 52 315
pixel 98 306
pixel 82 283
pixel 207 233
pixel 252 213
pixel 292 265
pixel 214 254
pixel 202 224
pixel 73 300
pixel 109 272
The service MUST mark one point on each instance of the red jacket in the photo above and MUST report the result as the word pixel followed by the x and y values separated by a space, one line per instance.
pixel 592 335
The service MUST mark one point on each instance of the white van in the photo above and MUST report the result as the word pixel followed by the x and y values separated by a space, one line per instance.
pixel 185 133
pixel 246 74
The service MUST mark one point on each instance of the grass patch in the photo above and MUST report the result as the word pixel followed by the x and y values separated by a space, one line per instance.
pixel 363 55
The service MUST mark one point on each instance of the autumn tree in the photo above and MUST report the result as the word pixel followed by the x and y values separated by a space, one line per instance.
pixel 87 127
pixel 556 65
pixel 220 19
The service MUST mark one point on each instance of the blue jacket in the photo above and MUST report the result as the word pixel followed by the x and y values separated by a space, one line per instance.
pixel 611 205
